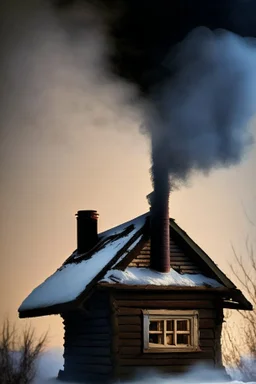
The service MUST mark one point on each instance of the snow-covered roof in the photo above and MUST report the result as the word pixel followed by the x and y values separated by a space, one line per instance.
pixel 145 276
pixel 71 279
pixel 108 263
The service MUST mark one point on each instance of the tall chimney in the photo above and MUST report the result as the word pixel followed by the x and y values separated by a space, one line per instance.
pixel 159 220
pixel 87 230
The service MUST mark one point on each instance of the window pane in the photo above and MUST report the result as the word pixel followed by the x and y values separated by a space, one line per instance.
pixel 156 325
pixel 169 339
pixel 156 339
pixel 183 339
pixel 182 325
pixel 170 325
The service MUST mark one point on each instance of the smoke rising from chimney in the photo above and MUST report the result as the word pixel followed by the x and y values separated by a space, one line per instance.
pixel 198 82
pixel 196 75
pixel 201 113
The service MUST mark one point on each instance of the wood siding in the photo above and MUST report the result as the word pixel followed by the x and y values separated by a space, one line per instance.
pixel 180 260
pixel 131 357
pixel 88 355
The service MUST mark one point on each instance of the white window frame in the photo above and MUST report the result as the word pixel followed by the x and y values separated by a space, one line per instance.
pixel 160 315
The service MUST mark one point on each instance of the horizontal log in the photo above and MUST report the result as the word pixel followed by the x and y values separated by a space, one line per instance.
pixel 87 330
pixel 206 334
pixel 87 351
pixel 89 336
pixel 87 322
pixel 206 323
pixel 130 342
pixel 129 328
pixel 206 343
pixel 163 362
pixel 166 304
pixel 132 352
pixel 129 335
pixel 139 265
pixel 77 359
pixel 161 294
pixel 130 320
pixel 139 371
pixel 207 314
pixel 71 342
pixel 203 313
pixel 128 311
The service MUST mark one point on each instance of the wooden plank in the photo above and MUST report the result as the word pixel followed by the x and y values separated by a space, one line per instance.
pixel 87 351
pixel 128 311
pixel 130 328
pixel 163 294
pixel 206 334
pixel 129 335
pixel 115 338
pixel 130 320
pixel 132 352
pixel 206 323
pixel 130 342
pixel 207 313
pixel 87 330
pixel 89 336
pixel 96 322
pixel 86 343
pixel 164 304
pixel 206 343
pixel 162 362
pixel 77 359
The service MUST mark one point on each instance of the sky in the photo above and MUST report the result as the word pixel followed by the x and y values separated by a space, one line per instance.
pixel 69 141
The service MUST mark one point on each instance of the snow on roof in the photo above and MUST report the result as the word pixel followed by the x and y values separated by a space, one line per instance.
pixel 69 281
pixel 146 276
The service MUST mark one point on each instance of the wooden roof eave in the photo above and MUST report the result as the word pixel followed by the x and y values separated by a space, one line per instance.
pixel 150 287
pixel 71 305
pixel 204 257
pixel 232 298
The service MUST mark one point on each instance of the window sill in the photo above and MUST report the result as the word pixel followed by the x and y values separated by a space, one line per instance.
pixel 172 350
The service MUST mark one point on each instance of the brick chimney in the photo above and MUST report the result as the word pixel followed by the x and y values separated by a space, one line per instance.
pixel 87 230
pixel 160 226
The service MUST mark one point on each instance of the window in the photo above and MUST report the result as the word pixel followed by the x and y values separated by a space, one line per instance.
pixel 167 331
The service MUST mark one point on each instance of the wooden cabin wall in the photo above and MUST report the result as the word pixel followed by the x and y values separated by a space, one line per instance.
pixel 129 342
pixel 180 261
pixel 87 342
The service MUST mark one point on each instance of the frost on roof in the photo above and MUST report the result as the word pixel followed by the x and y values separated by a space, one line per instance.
pixel 146 276
pixel 69 281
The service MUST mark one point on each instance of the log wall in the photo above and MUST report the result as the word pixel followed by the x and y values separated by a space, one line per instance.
pixel 104 340
pixel 88 342
pixel 179 259
pixel 131 357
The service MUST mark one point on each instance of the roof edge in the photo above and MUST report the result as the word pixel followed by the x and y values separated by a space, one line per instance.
pixel 201 253
pixel 63 307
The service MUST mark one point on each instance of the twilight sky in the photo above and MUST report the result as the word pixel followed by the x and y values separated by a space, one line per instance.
pixel 69 142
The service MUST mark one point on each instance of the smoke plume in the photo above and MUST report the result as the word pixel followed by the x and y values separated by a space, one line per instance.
pixel 192 63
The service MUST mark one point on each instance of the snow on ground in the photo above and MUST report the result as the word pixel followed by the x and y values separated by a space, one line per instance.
pixel 51 361
pixel 70 280
pixel 145 276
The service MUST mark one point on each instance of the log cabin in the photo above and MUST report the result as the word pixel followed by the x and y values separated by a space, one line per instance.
pixel 141 295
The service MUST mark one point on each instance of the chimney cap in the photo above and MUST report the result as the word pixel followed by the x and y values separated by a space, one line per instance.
pixel 90 213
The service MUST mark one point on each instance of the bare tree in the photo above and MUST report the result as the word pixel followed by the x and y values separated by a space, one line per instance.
pixel 18 354
pixel 239 340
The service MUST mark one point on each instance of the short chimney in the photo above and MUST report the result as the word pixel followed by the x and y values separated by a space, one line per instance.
pixel 87 230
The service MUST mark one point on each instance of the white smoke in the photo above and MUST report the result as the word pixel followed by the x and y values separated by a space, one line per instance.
pixel 204 109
